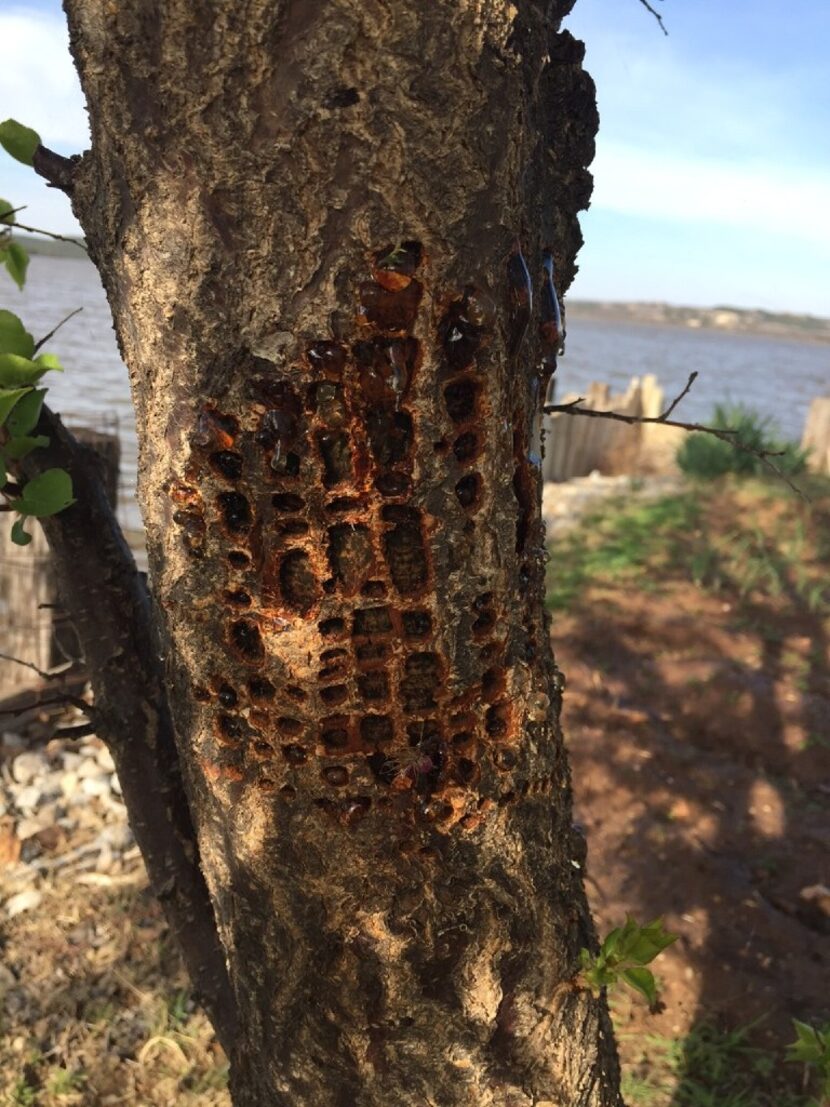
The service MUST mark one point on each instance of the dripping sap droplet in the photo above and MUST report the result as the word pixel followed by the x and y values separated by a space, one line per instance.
pixel 520 297
pixel 550 315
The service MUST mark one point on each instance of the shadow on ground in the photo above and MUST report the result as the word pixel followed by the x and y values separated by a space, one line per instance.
pixel 698 721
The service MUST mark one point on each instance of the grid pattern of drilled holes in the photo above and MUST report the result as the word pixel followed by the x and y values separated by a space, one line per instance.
pixel 387 360
pixel 350 555
pixel 498 715
pixel 279 431
pixel 404 548
pixel 461 399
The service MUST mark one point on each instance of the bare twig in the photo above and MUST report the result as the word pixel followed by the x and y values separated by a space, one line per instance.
pixel 53 675
pixel 680 396
pixel 42 341
pixel 725 434
pixel 51 701
pixel 656 15
pixel 83 730
pixel 50 234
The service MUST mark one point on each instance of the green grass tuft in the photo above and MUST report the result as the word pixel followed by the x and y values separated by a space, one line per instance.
pixel 706 457
pixel 618 543
pixel 710 1068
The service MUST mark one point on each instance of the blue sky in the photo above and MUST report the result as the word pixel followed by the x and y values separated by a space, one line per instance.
pixel 712 177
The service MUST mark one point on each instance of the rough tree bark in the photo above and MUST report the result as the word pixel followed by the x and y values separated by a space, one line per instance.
pixel 314 223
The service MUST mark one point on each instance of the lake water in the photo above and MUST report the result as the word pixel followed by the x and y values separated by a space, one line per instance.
pixel 777 377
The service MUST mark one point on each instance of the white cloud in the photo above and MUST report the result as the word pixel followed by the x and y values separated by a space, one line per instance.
pixel 38 82
pixel 762 196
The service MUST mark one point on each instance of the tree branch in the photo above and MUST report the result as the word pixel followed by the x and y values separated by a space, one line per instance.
pixel 725 434
pixel 53 674
pixel 51 701
pixel 50 234
pixel 656 15
pixel 56 170
pixel 42 341
pixel 107 598
pixel 83 730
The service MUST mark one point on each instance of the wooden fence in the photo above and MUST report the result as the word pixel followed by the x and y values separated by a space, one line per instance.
pixel 576 446
pixel 32 626
pixel 817 434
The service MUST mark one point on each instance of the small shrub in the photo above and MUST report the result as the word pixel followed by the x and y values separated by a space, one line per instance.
pixel 706 457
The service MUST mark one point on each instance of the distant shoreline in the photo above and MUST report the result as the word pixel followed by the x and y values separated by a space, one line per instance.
pixel 729 320
pixel 770 324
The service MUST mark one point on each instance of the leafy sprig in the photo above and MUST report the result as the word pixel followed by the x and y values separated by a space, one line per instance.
pixel 623 956
pixel 21 368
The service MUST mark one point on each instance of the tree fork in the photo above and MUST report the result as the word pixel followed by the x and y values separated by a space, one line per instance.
pixel 320 228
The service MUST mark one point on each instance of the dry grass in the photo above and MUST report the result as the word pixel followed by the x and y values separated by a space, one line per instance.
pixel 96 1008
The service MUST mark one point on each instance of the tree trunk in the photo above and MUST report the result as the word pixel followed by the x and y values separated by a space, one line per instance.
pixel 314 222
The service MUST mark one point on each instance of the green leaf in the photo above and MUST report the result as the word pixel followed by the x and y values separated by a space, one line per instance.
pixel 6 212
pixel 808 1045
pixel 46 494
pixel 16 260
pixel 49 361
pixel 16 371
pixel 8 399
pixel 18 448
pixel 610 944
pixel 26 413
pixel 19 141
pixel 650 941
pixel 642 980
pixel 619 943
pixel 14 338
pixel 19 535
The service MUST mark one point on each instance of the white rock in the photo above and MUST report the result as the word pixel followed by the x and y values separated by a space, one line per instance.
pixel 33 824
pixel 115 784
pixel 28 766
pixel 89 767
pixel 70 759
pixel 117 835
pixel 104 759
pixel 51 783
pixel 105 859
pixel 95 786
pixel 23 901
pixel 69 783
pixel 18 876
pixel 28 798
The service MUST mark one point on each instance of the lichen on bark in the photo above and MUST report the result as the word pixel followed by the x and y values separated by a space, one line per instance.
pixel 309 220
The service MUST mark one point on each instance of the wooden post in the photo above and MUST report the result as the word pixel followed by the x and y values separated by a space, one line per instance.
pixel 817 435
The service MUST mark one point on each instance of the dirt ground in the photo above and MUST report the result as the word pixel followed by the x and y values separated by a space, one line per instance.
pixel 694 636
pixel 698 721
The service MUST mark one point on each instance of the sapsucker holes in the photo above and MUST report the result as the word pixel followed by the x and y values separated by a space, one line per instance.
pixel 247 640
pixel 376 729
pixel 298 583
pixel 460 398
pixel 236 511
pixel 227 463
